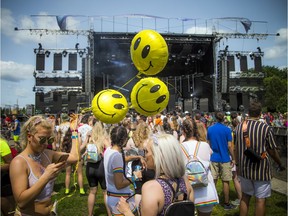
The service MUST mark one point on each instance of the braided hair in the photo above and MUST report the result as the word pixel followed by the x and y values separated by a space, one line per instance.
pixel 189 127
pixel 119 137
pixel 67 141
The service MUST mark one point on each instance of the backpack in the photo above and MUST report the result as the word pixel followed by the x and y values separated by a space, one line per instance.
pixel 179 207
pixel 92 155
pixel 195 170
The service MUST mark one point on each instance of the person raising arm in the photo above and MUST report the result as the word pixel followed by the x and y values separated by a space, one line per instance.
pixel 34 170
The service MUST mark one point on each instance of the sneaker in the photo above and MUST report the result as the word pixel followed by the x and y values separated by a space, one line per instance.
pixel 67 191
pixel 82 192
pixel 229 206
pixel 235 202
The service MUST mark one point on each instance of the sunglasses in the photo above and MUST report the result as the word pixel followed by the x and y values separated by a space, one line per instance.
pixel 44 140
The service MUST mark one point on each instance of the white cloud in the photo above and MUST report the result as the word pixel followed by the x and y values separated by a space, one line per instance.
pixel 15 72
pixel 280 48
pixel 282 39
pixel 199 30
pixel 24 35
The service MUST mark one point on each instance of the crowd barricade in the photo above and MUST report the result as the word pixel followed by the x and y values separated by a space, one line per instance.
pixel 281 139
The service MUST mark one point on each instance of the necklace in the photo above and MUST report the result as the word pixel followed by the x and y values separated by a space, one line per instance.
pixel 36 158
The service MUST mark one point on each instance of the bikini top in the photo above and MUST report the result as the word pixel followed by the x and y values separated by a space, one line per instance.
pixel 32 179
pixel 168 193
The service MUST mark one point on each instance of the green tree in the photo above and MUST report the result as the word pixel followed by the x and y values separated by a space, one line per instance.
pixel 275 83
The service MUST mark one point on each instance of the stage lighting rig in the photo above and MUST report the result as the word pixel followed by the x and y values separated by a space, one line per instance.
pixel 40 47
pixel 47 53
pixel 238 55
pixel 252 55
pixel 81 53
pixel 64 53
pixel 77 46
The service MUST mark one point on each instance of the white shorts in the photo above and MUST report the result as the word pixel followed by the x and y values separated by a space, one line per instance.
pixel 259 189
pixel 205 209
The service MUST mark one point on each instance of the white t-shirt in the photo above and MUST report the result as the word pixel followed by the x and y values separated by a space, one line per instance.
pixel 203 195
pixel 113 163
pixel 83 130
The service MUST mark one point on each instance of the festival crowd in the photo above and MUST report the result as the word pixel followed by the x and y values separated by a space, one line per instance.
pixel 139 161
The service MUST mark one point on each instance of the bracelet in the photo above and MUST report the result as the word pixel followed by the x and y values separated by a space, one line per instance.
pixel 75 130
pixel 74 137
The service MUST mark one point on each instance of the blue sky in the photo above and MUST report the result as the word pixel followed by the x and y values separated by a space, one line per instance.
pixel 18 58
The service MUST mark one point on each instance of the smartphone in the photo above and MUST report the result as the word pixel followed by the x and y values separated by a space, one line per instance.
pixel 62 158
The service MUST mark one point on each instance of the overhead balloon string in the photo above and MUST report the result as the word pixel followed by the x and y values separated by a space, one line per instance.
pixel 174 88
pixel 137 75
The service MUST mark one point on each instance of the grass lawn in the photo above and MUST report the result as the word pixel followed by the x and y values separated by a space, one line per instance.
pixel 76 205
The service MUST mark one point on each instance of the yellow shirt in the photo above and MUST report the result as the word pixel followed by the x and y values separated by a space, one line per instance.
pixel 4 150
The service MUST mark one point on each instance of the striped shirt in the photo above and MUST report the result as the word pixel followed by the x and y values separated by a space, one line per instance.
pixel 261 137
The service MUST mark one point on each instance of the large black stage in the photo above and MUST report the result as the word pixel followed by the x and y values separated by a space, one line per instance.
pixel 191 63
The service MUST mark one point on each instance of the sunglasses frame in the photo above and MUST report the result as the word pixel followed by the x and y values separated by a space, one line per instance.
pixel 43 140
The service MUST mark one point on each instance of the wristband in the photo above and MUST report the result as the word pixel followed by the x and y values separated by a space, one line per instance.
pixel 75 130
pixel 74 137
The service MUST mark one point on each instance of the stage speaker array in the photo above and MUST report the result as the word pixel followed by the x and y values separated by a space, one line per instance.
pixel 243 63
pixel 258 63
pixel 222 76
pixel 231 62
pixel 72 64
pixel 39 100
pixel 40 62
pixel 57 61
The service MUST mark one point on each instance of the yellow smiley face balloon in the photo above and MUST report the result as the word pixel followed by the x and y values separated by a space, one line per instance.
pixel 109 106
pixel 149 52
pixel 149 96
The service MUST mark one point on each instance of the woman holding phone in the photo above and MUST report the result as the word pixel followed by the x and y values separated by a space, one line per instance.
pixel 115 173
pixel 34 170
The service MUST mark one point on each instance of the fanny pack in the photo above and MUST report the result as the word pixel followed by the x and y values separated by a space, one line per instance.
pixel 249 151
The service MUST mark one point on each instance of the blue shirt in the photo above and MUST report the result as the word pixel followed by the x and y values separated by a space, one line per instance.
pixel 219 135
pixel 17 131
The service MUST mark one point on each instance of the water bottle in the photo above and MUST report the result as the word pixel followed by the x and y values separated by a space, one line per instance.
pixel 137 168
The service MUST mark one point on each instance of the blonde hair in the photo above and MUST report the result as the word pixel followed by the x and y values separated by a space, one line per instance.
pixel 30 127
pixel 174 123
pixel 98 136
pixel 141 134
pixel 167 155
pixel 202 131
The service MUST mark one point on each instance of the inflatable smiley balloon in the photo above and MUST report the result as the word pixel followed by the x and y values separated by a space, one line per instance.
pixel 149 96
pixel 109 106
pixel 149 52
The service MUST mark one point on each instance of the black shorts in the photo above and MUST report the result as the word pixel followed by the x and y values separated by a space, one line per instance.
pixel 95 174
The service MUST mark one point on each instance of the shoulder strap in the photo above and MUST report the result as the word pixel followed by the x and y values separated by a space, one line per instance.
pixel 196 149
pixel 26 161
pixel 171 187
pixel 245 134
pixel 247 140
pixel 184 151
pixel 177 192
pixel 244 126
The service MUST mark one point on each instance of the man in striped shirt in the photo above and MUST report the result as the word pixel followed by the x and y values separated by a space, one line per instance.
pixel 255 176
